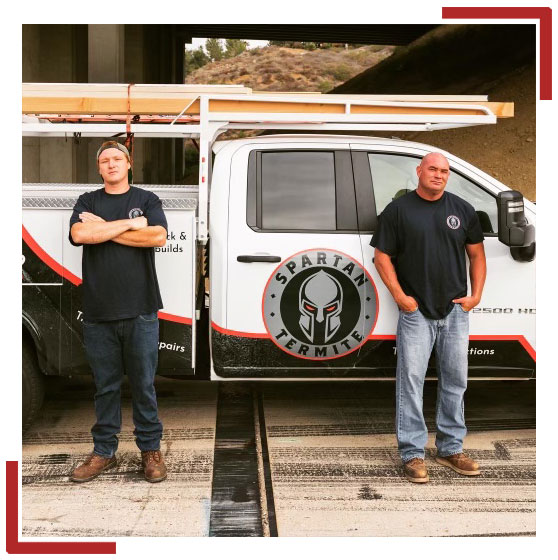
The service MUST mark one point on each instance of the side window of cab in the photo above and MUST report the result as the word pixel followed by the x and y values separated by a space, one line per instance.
pixel 301 191
pixel 394 175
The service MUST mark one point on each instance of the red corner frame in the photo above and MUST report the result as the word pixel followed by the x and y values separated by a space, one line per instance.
pixel 543 14
pixel 13 544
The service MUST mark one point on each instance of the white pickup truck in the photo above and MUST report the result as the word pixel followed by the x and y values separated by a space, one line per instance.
pixel 287 221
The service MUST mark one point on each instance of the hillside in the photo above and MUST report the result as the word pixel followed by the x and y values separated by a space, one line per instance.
pixel 285 69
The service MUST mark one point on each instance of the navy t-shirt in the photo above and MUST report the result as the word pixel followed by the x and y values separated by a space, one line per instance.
pixel 427 240
pixel 119 281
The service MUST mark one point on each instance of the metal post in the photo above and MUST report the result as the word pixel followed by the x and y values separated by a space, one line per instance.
pixel 203 195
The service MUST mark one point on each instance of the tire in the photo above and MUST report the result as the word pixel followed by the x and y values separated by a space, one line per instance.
pixel 32 386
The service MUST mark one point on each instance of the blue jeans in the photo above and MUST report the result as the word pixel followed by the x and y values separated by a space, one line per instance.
pixel 416 336
pixel 113 348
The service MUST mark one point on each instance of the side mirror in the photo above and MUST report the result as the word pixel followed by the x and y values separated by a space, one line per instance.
pixel 513 229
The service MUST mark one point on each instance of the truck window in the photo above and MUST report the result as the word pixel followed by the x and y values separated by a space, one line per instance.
pixel 394 175
pixel 302 190
pixel 298 190
pixel 483 202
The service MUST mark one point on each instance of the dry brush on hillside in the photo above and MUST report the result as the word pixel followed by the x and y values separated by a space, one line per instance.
pixel 286 69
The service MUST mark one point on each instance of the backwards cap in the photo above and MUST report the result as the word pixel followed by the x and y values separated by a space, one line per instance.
pixel 113 144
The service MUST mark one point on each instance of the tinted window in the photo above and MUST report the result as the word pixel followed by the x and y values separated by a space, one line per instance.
pixel 298 190
pixel 394 175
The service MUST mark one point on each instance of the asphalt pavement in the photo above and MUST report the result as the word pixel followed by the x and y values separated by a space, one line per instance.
pixel 329 448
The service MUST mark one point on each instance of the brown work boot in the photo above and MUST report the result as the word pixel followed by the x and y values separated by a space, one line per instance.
pixel 92 467
pixel 460 463
pixel 154 468
pixel 415 470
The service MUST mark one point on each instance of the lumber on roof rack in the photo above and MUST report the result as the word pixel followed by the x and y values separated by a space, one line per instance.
pixel 169 99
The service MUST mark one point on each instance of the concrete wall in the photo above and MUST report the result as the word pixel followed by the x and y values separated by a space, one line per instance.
pixel 100 54
pixel 58 55
pixel 105 47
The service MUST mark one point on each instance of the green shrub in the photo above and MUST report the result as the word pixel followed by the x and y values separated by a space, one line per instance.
pixel 341 72
pixel 325 85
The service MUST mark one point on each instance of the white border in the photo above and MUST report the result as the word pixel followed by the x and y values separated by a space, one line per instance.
pixel 285 12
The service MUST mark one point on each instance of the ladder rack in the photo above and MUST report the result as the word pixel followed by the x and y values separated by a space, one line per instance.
pixel 204 112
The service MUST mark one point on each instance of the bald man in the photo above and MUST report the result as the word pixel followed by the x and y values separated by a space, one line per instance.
pixel 420 246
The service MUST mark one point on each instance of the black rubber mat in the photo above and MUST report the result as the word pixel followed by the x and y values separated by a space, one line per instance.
pixel 235 498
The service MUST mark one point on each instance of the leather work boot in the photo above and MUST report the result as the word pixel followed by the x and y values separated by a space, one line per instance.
pixel 415 470
pixel 154 468
pixel 92 467
pixel 460 463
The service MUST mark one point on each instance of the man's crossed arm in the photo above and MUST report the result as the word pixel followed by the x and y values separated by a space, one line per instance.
pixel 133 232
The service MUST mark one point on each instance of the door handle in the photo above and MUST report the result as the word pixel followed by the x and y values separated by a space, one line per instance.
pixel 258 258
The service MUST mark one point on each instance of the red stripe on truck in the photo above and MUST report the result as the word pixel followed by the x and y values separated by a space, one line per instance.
pixel 174 318
pixel 517 337
pixel 65 273
pixel 47 259
pixel 238 333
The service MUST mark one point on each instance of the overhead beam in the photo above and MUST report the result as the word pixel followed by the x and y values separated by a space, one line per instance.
pixel 387 34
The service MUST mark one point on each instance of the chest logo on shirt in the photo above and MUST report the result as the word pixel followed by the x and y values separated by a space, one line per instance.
pixel 135 213
pixel 453 222
pixel 319 304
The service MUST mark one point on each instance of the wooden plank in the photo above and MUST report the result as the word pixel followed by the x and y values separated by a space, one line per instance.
pixel 106 106
pixel 248 106
pixel 119 106
pixel 189 90
pixel 502 109
pixel 137 90
pixel 382 110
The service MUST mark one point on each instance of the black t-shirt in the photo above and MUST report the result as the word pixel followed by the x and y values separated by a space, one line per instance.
pixel 427 239
pixel 119 281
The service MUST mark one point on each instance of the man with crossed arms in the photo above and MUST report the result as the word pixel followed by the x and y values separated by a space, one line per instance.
pixel 119 225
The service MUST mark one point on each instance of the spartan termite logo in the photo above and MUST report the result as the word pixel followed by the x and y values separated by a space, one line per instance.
pixel 319 304
pixel 453 222
pixel 135 213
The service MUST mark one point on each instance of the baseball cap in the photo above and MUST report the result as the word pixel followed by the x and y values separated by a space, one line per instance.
pixel 113 144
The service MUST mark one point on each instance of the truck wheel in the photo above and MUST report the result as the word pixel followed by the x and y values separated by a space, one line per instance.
pixel 33 386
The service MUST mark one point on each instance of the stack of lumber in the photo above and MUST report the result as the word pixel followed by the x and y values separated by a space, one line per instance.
pixel 172 99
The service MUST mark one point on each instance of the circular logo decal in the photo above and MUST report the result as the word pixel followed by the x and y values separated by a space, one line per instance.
pixel 453 222
pixel 135 213
pixel 320 304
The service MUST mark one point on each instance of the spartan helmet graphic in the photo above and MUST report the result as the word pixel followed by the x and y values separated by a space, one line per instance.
pixel 320 302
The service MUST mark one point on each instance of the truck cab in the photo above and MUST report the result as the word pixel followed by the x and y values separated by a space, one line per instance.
pixel 294 291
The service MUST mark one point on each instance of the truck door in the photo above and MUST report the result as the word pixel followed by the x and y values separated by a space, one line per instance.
pixel 298 300
pixel 502 327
